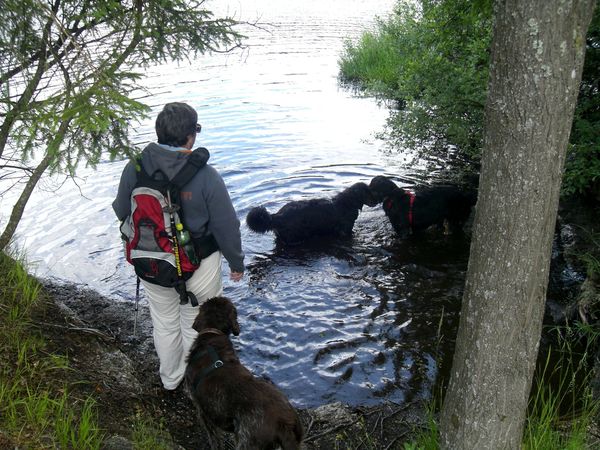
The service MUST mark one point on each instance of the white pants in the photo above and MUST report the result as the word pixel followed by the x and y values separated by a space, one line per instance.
pixel 172 322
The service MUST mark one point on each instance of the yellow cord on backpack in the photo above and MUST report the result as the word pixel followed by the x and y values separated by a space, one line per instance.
pixel 177 260
pixel 174 238
pixel 184 295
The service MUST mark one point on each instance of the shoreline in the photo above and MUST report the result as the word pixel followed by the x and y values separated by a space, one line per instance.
pixel 121 372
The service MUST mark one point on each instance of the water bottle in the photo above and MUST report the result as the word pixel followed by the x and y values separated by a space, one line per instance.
pixel 185 241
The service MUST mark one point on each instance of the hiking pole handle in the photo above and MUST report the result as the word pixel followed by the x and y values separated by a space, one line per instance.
pixel 137 302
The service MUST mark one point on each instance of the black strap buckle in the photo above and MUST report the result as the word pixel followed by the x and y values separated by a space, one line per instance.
pixel 216 364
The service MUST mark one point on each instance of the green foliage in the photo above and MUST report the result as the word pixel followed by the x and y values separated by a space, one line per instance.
pixel 375 61
pixel 561 406
pixel 70 72
pixel 592 264
pixel 89 51
pixel 19 290
pixel 80 430
pixel 433 58
pixel 441 67
pixel 149 434
pixel 427 437
pixel 582 172
pixel 37 408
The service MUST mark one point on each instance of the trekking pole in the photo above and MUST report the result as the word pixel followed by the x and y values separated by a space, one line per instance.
pixel 137 302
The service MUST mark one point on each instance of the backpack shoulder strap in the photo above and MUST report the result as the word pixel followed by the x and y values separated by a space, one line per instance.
pixel 196 161
pixel 156 179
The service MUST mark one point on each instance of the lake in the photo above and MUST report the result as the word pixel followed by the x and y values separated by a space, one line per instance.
pixel 360 321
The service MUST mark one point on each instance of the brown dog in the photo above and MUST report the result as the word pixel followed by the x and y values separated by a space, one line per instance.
pixel 228 397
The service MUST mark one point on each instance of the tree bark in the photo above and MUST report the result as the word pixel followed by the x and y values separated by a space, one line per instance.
pixel 536 63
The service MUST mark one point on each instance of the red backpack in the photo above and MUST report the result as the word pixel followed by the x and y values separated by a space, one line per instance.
pixel 151 242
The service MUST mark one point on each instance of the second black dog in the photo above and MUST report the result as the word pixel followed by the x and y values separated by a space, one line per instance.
pixel 303 220
pixel 411 212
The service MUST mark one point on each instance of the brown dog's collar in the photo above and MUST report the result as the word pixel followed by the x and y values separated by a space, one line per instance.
pixel 210 331
pixel 216 363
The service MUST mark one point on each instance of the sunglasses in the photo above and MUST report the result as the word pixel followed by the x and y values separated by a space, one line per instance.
pixel 198 128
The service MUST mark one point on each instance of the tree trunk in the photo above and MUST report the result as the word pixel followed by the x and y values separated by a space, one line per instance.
pixel 19 207
pixel 536 63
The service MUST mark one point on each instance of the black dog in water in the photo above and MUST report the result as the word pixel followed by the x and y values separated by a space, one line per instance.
pixel 303 220
pixel 228 397
pixel 412 212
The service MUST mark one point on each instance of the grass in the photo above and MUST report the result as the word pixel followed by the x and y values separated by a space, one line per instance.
pixel 426 438
pixel 562 407
pixel 149 434
pixel 37 407
pixel 35 411
pixel 372 62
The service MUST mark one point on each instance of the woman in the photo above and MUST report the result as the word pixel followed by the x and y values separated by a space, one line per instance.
pixel 208 211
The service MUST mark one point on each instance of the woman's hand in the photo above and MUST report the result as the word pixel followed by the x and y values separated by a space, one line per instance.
pixel 236 276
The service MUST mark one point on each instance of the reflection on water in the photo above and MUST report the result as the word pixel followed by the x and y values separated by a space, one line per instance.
pixel 357 321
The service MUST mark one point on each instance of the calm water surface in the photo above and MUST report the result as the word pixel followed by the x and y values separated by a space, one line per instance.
pixel 358 321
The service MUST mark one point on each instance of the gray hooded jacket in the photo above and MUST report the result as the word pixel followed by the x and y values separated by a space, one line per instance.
pixel 205 201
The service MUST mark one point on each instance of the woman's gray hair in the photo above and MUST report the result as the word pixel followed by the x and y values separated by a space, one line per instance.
pixel 175 123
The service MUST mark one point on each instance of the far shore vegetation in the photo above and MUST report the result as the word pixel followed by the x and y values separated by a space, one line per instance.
pixel 432 59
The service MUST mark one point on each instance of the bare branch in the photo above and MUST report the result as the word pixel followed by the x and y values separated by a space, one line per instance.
pixel 26 169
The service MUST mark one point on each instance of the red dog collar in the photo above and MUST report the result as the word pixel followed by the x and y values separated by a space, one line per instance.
pixel 411 200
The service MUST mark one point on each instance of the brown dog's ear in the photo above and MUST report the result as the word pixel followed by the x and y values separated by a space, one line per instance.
pixel 233 320
pixel 199 322
pixel 236 328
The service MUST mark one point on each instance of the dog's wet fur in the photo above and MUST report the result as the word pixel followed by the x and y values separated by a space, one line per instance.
pixel 444 206
pixel 230 398
pixel 303 220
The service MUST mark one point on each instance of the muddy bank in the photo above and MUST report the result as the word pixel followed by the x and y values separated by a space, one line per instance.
pixel 121 371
